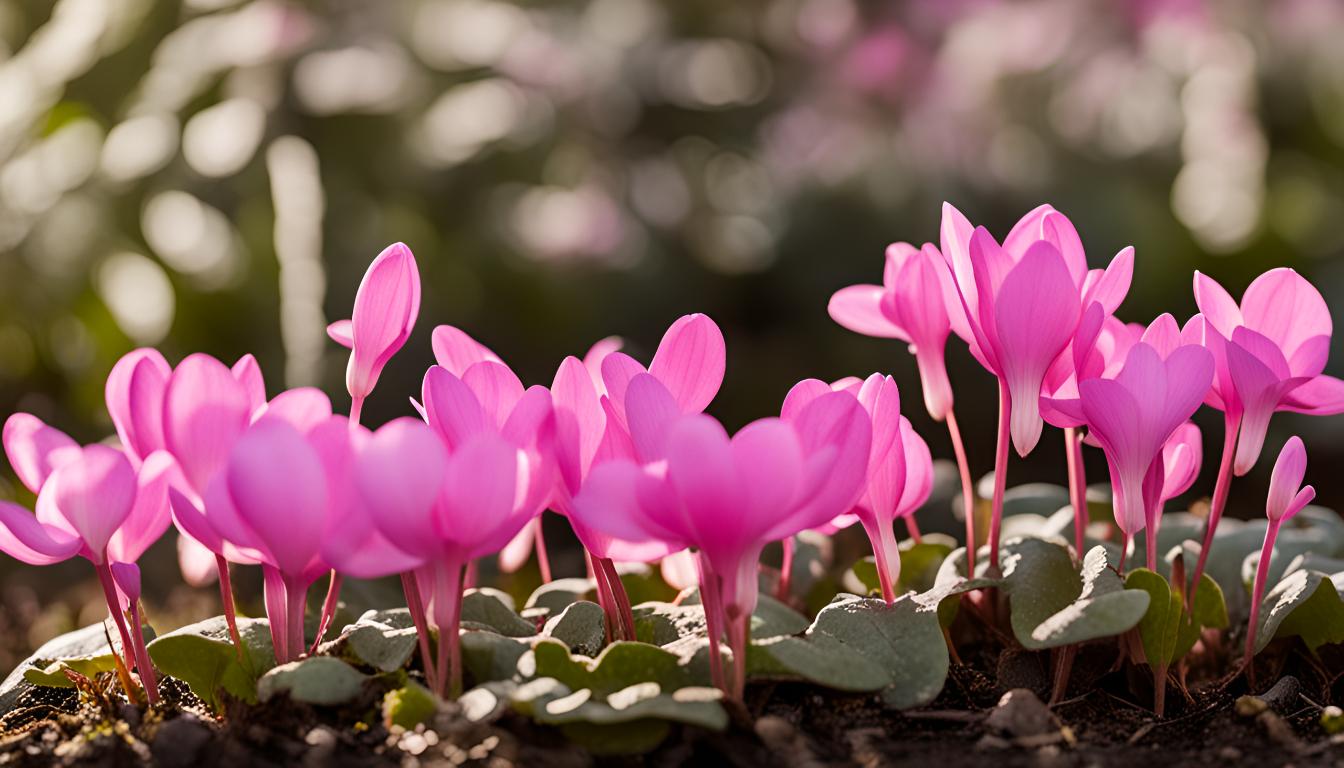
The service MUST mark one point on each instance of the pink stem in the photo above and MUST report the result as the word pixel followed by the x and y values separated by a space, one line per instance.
pixel 622 600
pixel 472 575
pixel 605 599
pixel 328 610
pixel 416 605
pixel 104 571
pixel 1258 591
pixel 356 410
pixel 913 528
pixel 785 571
pixel 1125 541
pixel 739 635
pixel 709 598
pixel 1150 547
pixel 1000 475
pixel 296 605
pixel 967 490
pixel 144 666
pixel 448 617
pixel 277 615
pixel 543 559
pixel 230 611
pixel 1231 425
pixel 1073 452
pixel 883 540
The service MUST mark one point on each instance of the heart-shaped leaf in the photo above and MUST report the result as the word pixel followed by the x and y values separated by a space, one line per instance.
pixel 553 597
pixel 620 665
pixel 1054 605
pixel 492 610
pixel 581 626
pixel 1305 604
pixel 202 656
pixel 1167 631
pixel 664 623
pixel 632 719
pixel 904 639
pixel 320 680
pixel 919 566
pixel 488 657
pixel 84 651
pixel 385 640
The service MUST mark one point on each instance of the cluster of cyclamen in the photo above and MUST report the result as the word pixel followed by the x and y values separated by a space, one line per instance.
pixel 626 452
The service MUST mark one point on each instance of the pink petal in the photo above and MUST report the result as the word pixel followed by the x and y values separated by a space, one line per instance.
pixel 127 578
pixel 456 351
pixel 1216 305
pixel 800 395
pixel 592 360
pixel 530 420
pixel 518 551
pixel 1310 356
pixel 134 395
pixel 1302 499
pixel 580 421
pixel 1258 388
pixel 1163 335
pixel 478 509
pixel 700 467
pixel 917 301
pixel 1029 229
pixel 497 389
pixel 279 489
pixel 342 332
pixel 1283 306
pixel 859 308
pixel 197 563
pixel 191 522
pixel 302 408
pixel 23 538
pixel 1037 313
pixel 95 494
pixel 35 450
pixel 248 373
pixel 679 570
pixel 451 408
pixel 1057 230
pixel 881 398
pixel 399 472
pixel 1111 286
pixel 1286 478
pixel 618 369
pixel 918 470
pixel 205 409
pixel 690 361
pixel 386 307
pixel 1321 396
pixel 609 503
pixel 1114 419
pixel 769 463
pixel 1188 374
pixel 1182 455
pixel 836 435
pixel 651 412
pixel 151 515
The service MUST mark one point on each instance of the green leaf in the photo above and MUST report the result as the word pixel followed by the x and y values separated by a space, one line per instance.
pixel 385 640
pixel 919 566
pixel 664 623
pixel 822 660
pixel 1054 605
pixel 202 656
pixel 558 594
pixel 493 610
pixel 631 719
pixel 84 651
pixel 581 626
pixel 488 657
pixel 409 705
pixel 903 638
pixel 1305 604
pixel 1167 631
pixel 770 619
pixel 319 680
pixel 620 665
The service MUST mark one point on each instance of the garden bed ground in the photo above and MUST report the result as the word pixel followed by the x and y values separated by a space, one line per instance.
pixel 789 724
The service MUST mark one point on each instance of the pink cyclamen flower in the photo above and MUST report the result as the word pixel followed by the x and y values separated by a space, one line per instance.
pixel 448 502
pixel 917 303
pixel 1134 414
pixel 1287 497
pixel 900 466
pixel 727 496
pixel 386 306
pixel 1270 352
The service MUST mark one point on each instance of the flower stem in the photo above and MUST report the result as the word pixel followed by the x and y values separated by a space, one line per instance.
pixel 913 528
pixel 739 635
pixel 109 585
pixel 296 605
pixel 1000 475
pixel 785 571
pixel 1063 669
pixel 709 598
pixel 1231 425
pixel 328 610
pixel 967 490
pixel 276 612
pixel 230 610
pixel 143 665
pixel 356 409
pixel 448 617
pixel 1258 591
pixel 416 605
pixel 883 540
pixel 1125 541
pixel 604 596
pixel 1073 452
pixel 543 559
pixel 620 598
pixel 1159 689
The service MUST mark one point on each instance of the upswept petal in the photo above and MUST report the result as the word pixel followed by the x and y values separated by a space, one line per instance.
pixel 485 509
pixel 151 515
pixel 456 351
pixel 342 332
pixel 205 409
pixel 859 308
pixel 609 503
pixel 916 301
pixel 1216 305
pixel 1036 314
pixel 1057 230
pixel 1259 389
pixel 918 470
pixel 701 469
pixel 35 450
pixel 1163 335
pixel 278 486
pixel 1282 305
pixel 769 461
pixel 1113 418
pixel 302 408
pixel 1110 287
pixel 451 407
pixel 134 396
pixel 1322 396
pixel 651 412
pixel 1286 479
pixel 690 361
pixel 592 359
pixel 386 306
pixel 618 369
pixel 399 471
pixel 248 373
pixel 23 538
pixel 1182 456
pixel 835 433
pixel 800 395
pixel 1189 373
pixel 497 389
pixel 95 494
pixel 579 420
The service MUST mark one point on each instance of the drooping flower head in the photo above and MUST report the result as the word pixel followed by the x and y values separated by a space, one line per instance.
pixel 1270 352
pixel 1287 495
pixel 386 306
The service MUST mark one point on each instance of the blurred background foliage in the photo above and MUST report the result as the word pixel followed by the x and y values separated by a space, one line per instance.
pixel 215 175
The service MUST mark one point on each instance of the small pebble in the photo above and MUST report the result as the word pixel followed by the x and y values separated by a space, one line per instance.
pixel 1250 706
pixel 1229 753
pixel 1332 719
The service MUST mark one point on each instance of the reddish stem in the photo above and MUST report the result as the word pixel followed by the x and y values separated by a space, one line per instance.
pixel 1000 475
pixel 1159 689
pixel 230 610
pixel 277 616
pixel 448 616
pixel 543 559
pixel 144 666
pixel 883 540
pixel 1063 669
pixel 109 584
pixel 1073 452
pixel 1231 425
pixel 472 576
pixel 604 597
pixel 709 598
pixel 1125 541
pixel 416 605
pixel 356 409
pixel 967 490
pixel 785 571
pixel 623 610
pixel 913 528
pixel 1258 591
pixel 296 605
pixel 328 610
pixel 739 635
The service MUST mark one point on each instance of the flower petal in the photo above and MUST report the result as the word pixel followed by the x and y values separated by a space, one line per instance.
pixel 579 420
pixel 134 395
pixel 1321 396
pixel 399 471
pixel 1216 305
pixel 302 408
pixel 248 373
pixel 859 308
pixel 651 412
pixel 198 564
pixel 690 361
pixel 1286 479
pixel 205 409
pixel 35 450
pixel 95 494
pixel 342 332
pixel 23 538
pixel 279 488
pixel 456 351
pixel 386 307
pixel 1283 306
pixel 451 408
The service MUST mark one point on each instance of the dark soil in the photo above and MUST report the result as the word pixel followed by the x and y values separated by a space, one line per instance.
pixel 1105 720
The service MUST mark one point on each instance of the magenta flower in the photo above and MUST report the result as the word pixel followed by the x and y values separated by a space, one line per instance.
pixel 900 467
pixel 91 502
pixel 689 362
pixel 386 306
pixel 1133 415
pixel 1182 457
pixel 727 496
pixel 1285 500
pixel 450 501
